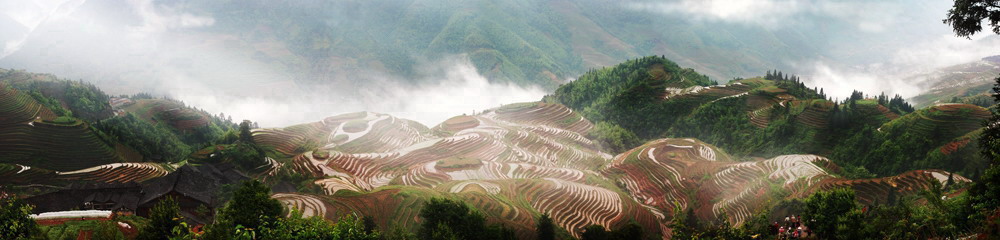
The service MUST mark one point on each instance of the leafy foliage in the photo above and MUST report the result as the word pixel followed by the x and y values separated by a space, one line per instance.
pixel 297 227
pixel 613 137
pixel 107 230
pixel 825 211
pixel 629 231
pixel 251 206
pixel 14 220
pixel 152 141
pixel 164 217
pixel 50 103
pixel 452 219
pixel 794 85
pixel 64 97
pixel 86 101
pixel 966 16
pixel 546 228
pixel 627 95
pixel 984 195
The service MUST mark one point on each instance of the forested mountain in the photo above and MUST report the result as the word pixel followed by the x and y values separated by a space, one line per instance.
pixel 524 41
pixel 868 135
pixel 529 42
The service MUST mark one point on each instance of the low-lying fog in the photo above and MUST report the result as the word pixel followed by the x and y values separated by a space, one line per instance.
pixel 157 47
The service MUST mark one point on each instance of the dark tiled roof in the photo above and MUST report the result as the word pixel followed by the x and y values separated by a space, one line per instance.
pixel 74 198
pixel 198 182
pixel 201 183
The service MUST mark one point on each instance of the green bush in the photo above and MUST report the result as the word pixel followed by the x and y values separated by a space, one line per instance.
pixel 14 220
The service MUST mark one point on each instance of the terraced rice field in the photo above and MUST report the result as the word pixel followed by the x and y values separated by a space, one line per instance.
pixel 762 105
pixel 813 113
pixel 362 132
pixel 709 94
pixel 116 172
pixel 948 120
pixel 869 191
pixel 26 137
pixel 487 158
pixel 661 173
pixel 56 147
pixel 21 174
pixel 518 161
pixel 109 173
pixel 171 112
pixel 17 108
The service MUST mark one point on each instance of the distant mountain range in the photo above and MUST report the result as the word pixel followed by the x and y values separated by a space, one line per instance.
pixel 528 42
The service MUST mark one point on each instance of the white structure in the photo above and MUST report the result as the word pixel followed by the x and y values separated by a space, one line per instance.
pixel 72 214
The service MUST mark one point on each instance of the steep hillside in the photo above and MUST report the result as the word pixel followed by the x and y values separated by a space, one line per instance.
pixel 56 131
pixel 30 134
pixel 171 120
pixel 933 137
pixel 615 95
pixel 63 97
pixel 520 160
pixel 173 113
pixel 513 162
pixel 107 173
pixel 961 83
pixel 771 116
pixel 667 174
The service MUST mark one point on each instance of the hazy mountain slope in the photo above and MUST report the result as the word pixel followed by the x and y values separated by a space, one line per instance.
pixel 528 42
pixel 63 125
pixel 963 83
pixel 515 41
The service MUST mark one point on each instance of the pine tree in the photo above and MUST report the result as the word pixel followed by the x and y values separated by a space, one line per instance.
pixel 251 206
pixel 546 228
pixel 163 218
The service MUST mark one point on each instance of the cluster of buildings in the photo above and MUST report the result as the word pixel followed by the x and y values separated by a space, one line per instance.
pixel 119 103
pixel 198 190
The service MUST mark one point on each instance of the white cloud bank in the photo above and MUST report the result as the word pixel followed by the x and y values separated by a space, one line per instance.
pixel 887 42
pixel 137 48
pixel 898 75
pixel 456 88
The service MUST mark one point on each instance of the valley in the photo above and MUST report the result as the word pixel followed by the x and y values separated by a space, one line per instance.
pixel 518 161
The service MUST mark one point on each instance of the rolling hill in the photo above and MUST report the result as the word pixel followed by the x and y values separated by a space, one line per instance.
pixel 513 172
pixel 772 116
pixel 725 152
